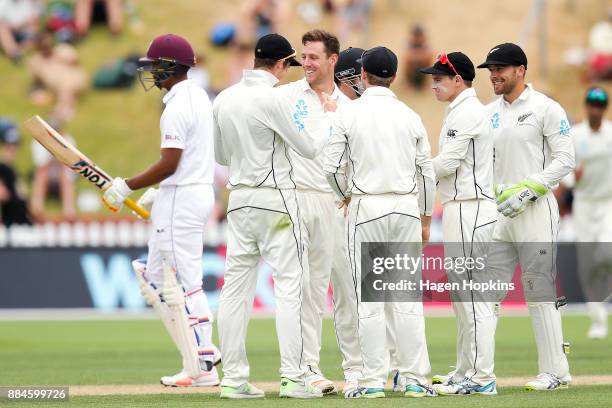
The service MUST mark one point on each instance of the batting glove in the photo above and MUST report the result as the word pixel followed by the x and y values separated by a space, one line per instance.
pixel 115 195
pixel 513 200
pixel 147 199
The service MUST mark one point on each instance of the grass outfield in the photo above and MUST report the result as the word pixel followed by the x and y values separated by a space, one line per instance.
pixel 139 352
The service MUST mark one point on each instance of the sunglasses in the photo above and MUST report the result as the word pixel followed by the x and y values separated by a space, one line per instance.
pixel 443 59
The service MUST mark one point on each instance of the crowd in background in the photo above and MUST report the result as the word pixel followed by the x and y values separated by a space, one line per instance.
pixel 43 36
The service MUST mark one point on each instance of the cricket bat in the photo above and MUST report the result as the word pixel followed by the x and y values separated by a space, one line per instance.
pixel 63 151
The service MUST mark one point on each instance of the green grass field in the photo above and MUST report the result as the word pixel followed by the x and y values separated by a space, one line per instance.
pixel 139 352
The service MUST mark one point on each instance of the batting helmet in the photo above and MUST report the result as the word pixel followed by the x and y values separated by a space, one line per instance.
pixel 165 53
pixel 348 69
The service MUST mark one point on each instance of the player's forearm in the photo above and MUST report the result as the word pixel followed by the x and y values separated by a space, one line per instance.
pixel 338 183
pixel 427 189
pixel 445 166
pixel 562 164
pixel 155 174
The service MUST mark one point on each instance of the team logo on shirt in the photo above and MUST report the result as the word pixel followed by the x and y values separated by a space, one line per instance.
pixel 564 128
pixel 301 111
pixel 495 120
pixel 451 133
pixel 521 118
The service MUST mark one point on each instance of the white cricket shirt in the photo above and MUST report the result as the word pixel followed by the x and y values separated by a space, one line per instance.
pixel 531 139
pixel 308 174
pixel 255 129
pixel 464 166
pixel 388 150
pixel 187 124
pixel 594 154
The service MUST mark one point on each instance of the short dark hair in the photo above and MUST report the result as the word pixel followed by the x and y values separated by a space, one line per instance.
pixel 330 41
pixel 378 81
pixel 467 83
pixel 268 63
pixel 264 63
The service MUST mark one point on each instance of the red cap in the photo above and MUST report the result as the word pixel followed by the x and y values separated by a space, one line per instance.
pixel 170 47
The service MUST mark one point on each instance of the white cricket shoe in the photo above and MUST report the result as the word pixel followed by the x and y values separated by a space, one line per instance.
pixel 598 330
pixel 363 392
pixel 442 379
pixel 245 391
pixel 399 382
pixel 546 382
pixel 326 386
pixel 465 387
pixel 293 389
pixel 350 385
pixel 205 379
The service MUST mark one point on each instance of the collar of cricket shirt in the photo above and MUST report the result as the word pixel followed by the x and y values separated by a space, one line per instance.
pixel 305 87
pixel 257 76
pixel 175 88
pixel 463 95
pixel 378 91
pixel 522 97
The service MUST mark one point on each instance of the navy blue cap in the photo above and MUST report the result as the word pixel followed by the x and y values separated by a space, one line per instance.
pixel 379 61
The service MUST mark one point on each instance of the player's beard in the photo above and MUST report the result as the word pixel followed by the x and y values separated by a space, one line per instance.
pixel 506 86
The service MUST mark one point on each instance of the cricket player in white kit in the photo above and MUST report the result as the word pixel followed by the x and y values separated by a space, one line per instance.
pixel 388 160
pixel 171 281
pixel 464 169
pixel 592 205
pixel 533 152
pixel 323 221
pixel 256 126
pixel 347 75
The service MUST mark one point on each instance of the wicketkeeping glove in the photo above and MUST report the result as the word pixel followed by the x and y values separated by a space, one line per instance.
pixel 513 200
pixel 115 195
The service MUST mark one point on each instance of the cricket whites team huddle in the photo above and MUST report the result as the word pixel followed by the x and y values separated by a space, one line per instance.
pixel 323 164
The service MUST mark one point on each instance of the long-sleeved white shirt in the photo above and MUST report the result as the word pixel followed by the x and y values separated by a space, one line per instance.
pixel 307 108
pixel 464 166
pixel 594 156
pixel 254 131
pixel 531 139
pixel 387 146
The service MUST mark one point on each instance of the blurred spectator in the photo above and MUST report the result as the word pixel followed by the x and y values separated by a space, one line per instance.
pixel 241 57
pixel 13 208
pixel 18 26
pixel 58 16
pixel 353 16
pixel 259 17
pixel 600 47
pixel 99 11
pixel 56 71
pixel 200 76
pixel 263 17
pixel 418 55
pixel 51 179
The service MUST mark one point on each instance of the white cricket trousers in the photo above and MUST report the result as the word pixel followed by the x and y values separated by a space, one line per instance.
pixel 467 228
pixel 325 257
pixel 178 218
pixel 530 239
pixel 387 218
pixel 262 223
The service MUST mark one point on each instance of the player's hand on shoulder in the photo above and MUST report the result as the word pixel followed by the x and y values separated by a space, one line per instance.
pixel 115 195
pixel 147 199
pixel 329 105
